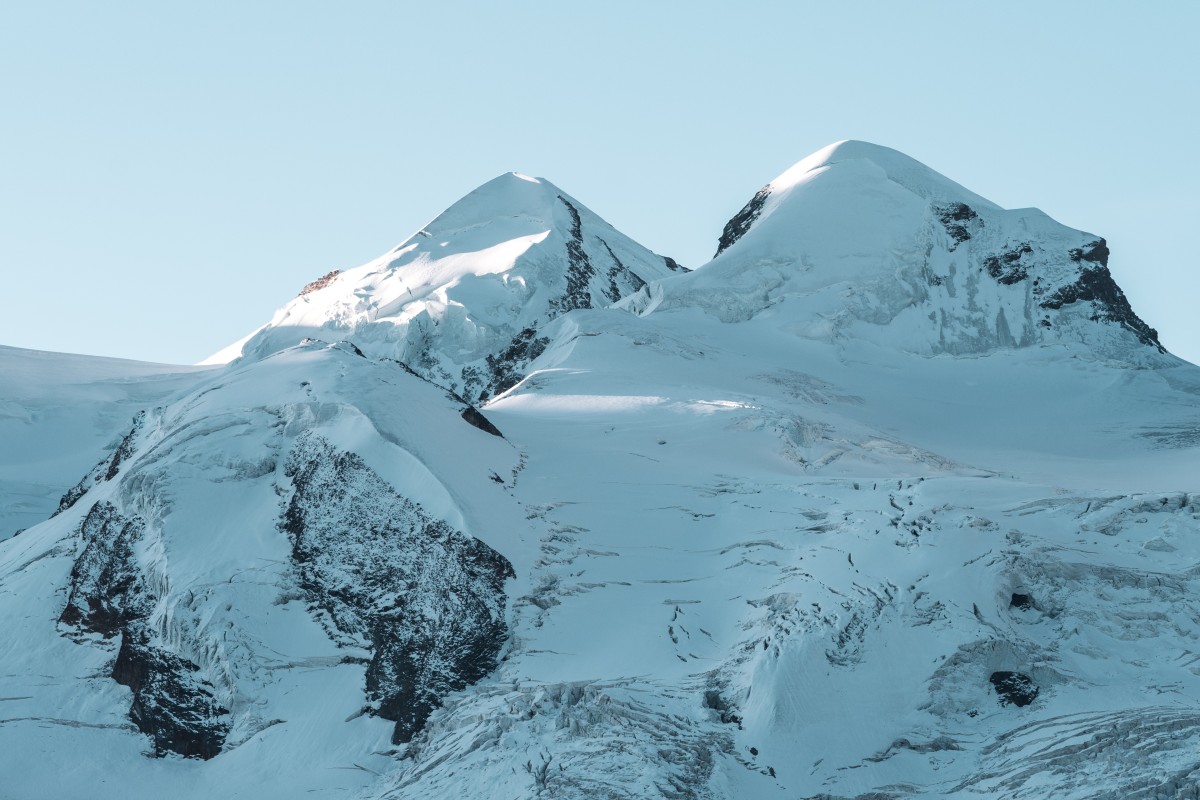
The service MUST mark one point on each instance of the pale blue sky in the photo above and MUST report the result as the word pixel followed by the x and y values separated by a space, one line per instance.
pixel 171 173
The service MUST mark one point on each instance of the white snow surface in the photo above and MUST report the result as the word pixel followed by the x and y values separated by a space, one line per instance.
pixel 771 526
pixel 497 262
pixel 854 243
pixel 59 414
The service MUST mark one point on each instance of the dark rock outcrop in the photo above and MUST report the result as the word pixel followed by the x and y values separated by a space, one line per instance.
pixel 107 591
pixel 1021 601
pixel 579 269
pixel 727 713
pixel 956 219
pixel 172 703
pixel 473 416
pixel 321 282
pixel 109 595
pixel 504 367
pixel 1006 267
pixel 1095 284
pixel 381 572
pixel 618 272
pixel 1093 252
pixel 740 223
pixel 1014 688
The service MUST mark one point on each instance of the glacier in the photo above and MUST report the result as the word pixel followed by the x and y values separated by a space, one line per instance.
pixel 894 498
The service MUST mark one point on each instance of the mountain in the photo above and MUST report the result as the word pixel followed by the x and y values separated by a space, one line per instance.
pixel 460 301
pixel 862 242
pixel 802 522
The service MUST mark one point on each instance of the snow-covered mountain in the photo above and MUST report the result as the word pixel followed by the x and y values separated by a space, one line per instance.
pixel 461 300
pixel 894 498
pixel 860 242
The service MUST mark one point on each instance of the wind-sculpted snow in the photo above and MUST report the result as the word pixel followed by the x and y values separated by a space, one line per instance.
pixel 426 599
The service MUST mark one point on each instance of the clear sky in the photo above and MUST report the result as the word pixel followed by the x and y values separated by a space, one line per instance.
pixel 171 173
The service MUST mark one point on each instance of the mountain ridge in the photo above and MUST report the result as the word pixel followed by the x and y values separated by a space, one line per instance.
pixel 763 527
pixel 460 299
pixel 858 240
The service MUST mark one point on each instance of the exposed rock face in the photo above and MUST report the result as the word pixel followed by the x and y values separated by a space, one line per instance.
pixel 321 282
pixel 740 223
pixel 504 368
pixel 172 702
pixel 726 711
pixel 472 415
pixel 616 273
pixel 956 219
pixel 1014 688
pixel 1020 600
pixel 109 595
pixel 380 571
pixel 1096 284
pixel 1006 268
pixel 108 592
pixel 619 280
pixel 1094 253
pixel 579 268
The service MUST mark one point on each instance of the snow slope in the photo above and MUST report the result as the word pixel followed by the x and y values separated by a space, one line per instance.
pixel 59 414
pixel 802 523
pixel 210 595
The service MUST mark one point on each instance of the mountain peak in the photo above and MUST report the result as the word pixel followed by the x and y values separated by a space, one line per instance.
pixel 853 157
pixel 854 168
pixel 461 299
pixel 862 241
pixel 845 150
pixel 506 194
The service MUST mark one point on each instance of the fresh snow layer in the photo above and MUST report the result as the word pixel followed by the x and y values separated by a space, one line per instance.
pixel 775 532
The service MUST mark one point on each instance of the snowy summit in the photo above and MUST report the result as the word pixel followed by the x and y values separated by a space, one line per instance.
pixel 863 242
pixel 895 497
pixel 474 283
